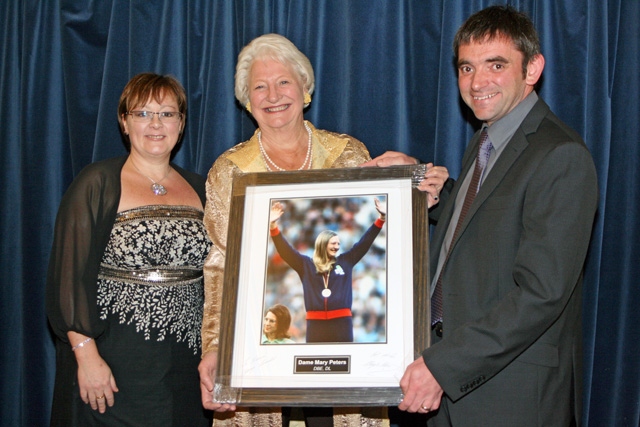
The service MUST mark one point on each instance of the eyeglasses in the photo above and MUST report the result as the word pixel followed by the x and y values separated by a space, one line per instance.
pixel 147 116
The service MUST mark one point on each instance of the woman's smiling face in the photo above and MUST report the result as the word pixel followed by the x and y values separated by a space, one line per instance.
pixel 155 137
pixel 276 94
pixel 333 247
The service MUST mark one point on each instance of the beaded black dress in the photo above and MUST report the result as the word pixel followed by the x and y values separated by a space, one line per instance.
pixel 132 282
pixel 150 294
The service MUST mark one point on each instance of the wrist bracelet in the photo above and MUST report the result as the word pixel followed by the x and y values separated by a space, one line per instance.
pixel 79 345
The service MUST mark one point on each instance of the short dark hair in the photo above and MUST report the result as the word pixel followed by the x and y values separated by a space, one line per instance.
pixel 283 320
pixel 500 22
pixel 145 86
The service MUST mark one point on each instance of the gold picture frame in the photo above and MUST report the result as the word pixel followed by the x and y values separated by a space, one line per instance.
pixel 327 373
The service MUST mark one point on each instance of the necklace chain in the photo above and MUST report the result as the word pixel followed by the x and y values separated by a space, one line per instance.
pixel 157 188
pixel 268 161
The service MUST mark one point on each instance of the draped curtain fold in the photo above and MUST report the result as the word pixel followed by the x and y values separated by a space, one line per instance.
pixel 384 74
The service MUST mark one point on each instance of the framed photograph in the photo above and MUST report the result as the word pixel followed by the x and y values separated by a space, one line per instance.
pixel 326 293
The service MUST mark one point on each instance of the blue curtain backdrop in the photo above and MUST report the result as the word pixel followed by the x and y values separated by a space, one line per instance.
pixel 384 73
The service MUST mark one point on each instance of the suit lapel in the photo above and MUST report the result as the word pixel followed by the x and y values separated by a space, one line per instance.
pixel 509 155
pixel 447 210
pixel 514 148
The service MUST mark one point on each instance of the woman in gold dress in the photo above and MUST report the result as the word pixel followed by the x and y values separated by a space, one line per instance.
pixel 275 81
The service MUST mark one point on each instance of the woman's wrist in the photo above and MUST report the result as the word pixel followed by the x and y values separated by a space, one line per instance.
pixel 88 353
pixel 81 344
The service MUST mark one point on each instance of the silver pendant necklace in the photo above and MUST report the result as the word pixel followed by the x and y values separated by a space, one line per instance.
pixel 157 188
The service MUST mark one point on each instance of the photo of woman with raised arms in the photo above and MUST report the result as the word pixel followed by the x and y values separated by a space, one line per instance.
pixel 318 269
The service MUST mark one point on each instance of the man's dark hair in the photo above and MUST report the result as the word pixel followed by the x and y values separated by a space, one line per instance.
pixel 500 22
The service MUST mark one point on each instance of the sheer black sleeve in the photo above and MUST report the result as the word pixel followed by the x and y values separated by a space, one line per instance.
pixel 82 229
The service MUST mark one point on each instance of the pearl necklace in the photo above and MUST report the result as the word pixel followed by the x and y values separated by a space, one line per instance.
pixel 157 188
pixel 267 159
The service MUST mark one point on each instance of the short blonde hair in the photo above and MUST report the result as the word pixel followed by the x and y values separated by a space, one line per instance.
pixel 278 48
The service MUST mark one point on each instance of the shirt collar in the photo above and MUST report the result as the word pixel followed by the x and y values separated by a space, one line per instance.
pixel 501 131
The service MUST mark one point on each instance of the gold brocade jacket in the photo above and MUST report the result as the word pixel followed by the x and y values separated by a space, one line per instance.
pixel 329 150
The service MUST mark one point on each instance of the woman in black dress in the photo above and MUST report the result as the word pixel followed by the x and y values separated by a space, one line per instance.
pixel 124 288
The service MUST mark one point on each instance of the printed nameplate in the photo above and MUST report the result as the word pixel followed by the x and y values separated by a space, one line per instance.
pixel 322 365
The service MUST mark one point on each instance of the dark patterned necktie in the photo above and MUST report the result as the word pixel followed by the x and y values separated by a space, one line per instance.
pixel 482 158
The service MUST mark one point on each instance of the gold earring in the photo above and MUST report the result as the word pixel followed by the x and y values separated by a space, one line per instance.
pixel 307 99
pixel 248 106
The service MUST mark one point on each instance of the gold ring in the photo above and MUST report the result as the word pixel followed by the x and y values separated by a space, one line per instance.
pixel 102 397
pixel 424 408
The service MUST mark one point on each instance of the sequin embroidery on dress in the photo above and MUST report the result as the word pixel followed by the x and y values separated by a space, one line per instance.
pixel 151 272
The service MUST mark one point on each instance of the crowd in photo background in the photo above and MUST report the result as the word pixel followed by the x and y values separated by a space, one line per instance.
pixel 350 217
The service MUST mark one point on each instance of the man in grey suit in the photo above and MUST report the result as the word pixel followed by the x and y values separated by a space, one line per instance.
pixel 507 277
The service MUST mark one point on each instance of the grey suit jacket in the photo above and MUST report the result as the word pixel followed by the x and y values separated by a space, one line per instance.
pixel 511 348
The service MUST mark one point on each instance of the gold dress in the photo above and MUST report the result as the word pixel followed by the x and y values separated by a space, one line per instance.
pixel 329 150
